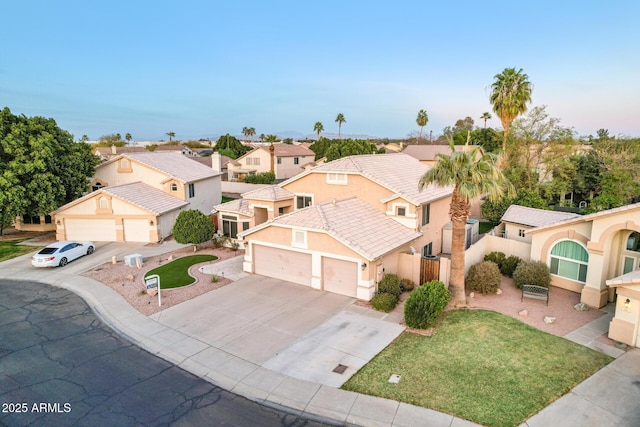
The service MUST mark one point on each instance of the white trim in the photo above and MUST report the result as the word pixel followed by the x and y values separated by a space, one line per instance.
pixel 295 199
pixel 336 178
pixel 549 255
pixel 299 238
pixel 258 205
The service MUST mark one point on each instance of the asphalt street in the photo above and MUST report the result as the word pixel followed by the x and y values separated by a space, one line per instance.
pixel 61 366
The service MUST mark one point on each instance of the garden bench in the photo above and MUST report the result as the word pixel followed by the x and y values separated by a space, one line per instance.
pixel 535 292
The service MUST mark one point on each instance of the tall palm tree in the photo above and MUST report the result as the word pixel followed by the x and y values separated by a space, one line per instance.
pixel 471 173
pixel 486 116
pixel 422 120
pixel 271 138
pixel 252 132
pixel 245 132
pixel 170 135
pixel 128 137
pixel 340 120
pixel 262 137
pixel 118 137
pixel 510 93
pixel 318 128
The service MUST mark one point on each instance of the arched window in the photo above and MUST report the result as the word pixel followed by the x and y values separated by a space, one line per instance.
pixel 104 203
pixel 570 260
pixel 633 242
pixel 174 187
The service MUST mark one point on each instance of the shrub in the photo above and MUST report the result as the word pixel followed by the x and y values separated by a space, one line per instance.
pixel 407 285
pixel 509 265
pixel 260 178
pixel 194 227
pixel 484 277
pixel 532 273
pixel 390 284
pixel 497 257
pixel 384 302
pixel 425 304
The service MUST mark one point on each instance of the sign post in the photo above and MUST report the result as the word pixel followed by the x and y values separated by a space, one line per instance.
pixel 151 282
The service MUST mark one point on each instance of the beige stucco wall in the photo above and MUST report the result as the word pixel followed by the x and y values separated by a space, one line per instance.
pixel 208 194
pixel 287 168
pixel 108 173
pixel 512 232
pixel 625 326
pixel 433 231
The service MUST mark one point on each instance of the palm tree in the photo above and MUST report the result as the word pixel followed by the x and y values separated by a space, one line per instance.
pixel 318 128
pixel 471 173
pixel 271 138
pixel 118 137
pixel 128 137
pixel 422 120
pixel 340 120
pixel 170 135
pixel 485 116
pixel 248 133
pixel 510 94
pixel 262 137
pixel 252 132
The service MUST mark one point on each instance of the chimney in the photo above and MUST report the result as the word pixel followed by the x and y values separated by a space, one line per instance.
pixel 216 162
pixel 272 150
pixel 113 150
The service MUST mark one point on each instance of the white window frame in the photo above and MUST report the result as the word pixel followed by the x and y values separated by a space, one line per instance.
pixel 426 208
pixel 299 238
pixel 296 160
pixel 174 187
pixel 305 195
pixel 337 178
pixel 561 258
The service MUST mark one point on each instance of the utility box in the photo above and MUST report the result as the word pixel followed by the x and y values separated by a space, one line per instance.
pixel 471 235
pixel 133 260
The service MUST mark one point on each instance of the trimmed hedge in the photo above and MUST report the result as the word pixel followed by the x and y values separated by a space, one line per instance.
pixel 532 273
pixel 509 265
pixel 484 277
pixel 425 304
pixel 384 302
pixel 390 284
pixel 407 285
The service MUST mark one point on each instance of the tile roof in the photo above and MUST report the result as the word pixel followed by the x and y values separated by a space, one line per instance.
pixel 429 152
pixel 206 160
pixel 398 172
pixel 146 197
pixel 630 278
pixel 352 222
pixel 173 164
pixel 108 151
pixel 240 206
pixel 535 217
pixel 270 192
pixel 288 150
pixel 585 218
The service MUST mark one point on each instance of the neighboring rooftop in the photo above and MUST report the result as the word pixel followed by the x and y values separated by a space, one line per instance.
pixel 430 152
pixel 240 206
pixel 268 193
pixel 352 222
pixel 285 150
pixel 533 217
pixel 589 217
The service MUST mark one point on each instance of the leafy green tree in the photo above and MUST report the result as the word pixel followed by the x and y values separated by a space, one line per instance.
pixel 493 210
pixel 231 143
pixel 84 138
pixel 349 147
pixel 510 94
pixel 340 120
pixel 422 120
pixel 460 132
pixel 471 173
pixel 488 138
pixel 193 227
pixel 171 135
pixel 485 116
pixel 41 167
pixel 109 140
pixel 318 128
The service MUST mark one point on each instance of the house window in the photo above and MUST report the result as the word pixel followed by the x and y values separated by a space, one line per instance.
pixel 104 203
pixel 569 260
pixel 296 160
pixel 280 211
pixel 427 250
pixel 174 187
pixel 192 190
pixel 279 160
pixel 426 214
pixel 337 178
pixel 401 211
pixel 629 264
pixel 47 219
pixel 98 185
pixel 230 226
pixel 303 201
pixel 26 219
pixel 253 161
pixel 124 163
pixel 520 232
pixel 299 239
pixel 633 242
pixel 245 226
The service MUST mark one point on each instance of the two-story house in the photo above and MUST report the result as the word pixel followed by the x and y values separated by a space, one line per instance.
pixel 137 197
pixel 341 225
pixel 285 161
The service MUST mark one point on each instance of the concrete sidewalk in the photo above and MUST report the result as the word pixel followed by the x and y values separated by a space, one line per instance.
pixel 608 398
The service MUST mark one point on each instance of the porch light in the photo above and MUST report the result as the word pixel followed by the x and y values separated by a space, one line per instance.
pixel 364 265
pixel 627 304
pixel 151 222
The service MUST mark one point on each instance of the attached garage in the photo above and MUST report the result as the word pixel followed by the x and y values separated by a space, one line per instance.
pixel 283 264
pixel 99 230
pixel 340 276
pixel 136 230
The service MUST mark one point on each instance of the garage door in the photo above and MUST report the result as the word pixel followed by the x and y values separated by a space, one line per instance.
pixel 99 230
pixel 282 264
pixel 340 276
pixel 136 230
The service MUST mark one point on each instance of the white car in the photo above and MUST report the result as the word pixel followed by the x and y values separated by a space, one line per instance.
pixel 61 253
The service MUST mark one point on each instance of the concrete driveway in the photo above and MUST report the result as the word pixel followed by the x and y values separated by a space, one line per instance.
pixel 285 327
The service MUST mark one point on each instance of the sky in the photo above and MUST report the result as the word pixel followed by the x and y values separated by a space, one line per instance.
pixel 206 68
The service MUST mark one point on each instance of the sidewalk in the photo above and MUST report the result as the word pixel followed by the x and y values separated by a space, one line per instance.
pixel 610 397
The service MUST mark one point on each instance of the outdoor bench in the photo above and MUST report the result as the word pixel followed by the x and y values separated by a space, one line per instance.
pixel 535 292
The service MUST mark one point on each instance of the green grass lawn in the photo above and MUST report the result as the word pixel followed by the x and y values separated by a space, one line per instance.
pixel 481 366
pixel 10 249
pixel 176 273
pixel 227 199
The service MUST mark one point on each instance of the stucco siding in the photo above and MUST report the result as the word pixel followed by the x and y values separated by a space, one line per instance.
pixel 139 173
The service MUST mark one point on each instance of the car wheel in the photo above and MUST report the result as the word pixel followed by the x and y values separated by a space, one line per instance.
pixel 63 262
pixel 90 250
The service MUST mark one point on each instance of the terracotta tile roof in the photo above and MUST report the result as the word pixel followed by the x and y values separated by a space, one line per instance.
pixel 288 150
pixel 352 222
pixel 270 193
pixel 145 197
pixel 108 151
pixel 398 172
pixel 173 164
pixel 240 206
pixel 535 217
pixel 429 152
pixel 585 218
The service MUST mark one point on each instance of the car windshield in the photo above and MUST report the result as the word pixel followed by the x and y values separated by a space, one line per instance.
pixel 47 251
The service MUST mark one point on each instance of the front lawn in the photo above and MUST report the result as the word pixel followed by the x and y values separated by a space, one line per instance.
pixel 11 249
pixel 176 273
pixel 481 366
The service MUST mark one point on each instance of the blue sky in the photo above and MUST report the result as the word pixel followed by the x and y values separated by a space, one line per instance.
pixel 204 68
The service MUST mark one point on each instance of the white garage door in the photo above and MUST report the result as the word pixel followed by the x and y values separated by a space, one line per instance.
pixel 340 276
pixel 99 230
pixel 136 230
pixel 282 264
